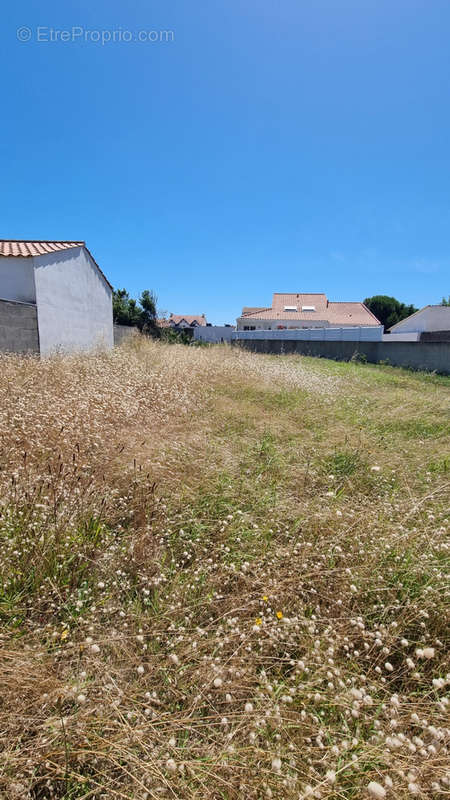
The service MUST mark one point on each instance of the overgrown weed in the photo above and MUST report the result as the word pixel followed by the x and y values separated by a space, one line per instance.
pixel 220 577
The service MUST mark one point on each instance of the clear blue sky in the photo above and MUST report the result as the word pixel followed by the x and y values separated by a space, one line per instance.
pixel 271 146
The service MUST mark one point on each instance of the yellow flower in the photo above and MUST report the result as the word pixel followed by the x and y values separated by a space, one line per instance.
pixel 258 620
pixel 266 599
pixel 280 614
pixel 64 634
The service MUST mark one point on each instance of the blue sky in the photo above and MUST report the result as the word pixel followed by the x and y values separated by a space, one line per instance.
pixel 300 145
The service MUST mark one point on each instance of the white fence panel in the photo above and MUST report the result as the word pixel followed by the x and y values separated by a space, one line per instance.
pixel 354 334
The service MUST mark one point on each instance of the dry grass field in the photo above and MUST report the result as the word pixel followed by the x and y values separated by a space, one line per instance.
pixel 222 575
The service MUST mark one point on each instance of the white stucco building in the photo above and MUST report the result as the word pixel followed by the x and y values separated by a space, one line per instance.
pixel 63 286
pixel 429 319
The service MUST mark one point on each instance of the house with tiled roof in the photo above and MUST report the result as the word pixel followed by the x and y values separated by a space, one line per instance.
pixel 53 297
pixel 305 310
pixel 183 321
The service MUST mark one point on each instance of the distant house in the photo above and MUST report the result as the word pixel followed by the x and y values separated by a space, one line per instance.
pixel 53 297
pixel 431 322
pixel 304 310
pixel 183 321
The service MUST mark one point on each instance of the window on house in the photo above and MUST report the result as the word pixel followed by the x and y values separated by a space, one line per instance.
pixel 249 328
pixel 290 308
pixel 308 308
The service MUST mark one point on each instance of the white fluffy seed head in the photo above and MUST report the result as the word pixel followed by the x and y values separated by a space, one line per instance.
pixel 248 708
pixel 140 670
pixel 171 765
pixel 174 659
pixel 218 682
pixel 376 790
pixel 276 764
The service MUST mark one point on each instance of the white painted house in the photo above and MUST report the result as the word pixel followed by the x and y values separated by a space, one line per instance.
pixel 429 319
pixel 61 283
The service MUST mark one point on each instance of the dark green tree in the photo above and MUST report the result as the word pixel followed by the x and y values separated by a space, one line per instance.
pixel 148 312
pixel 128 311
pixel 446 302
pixel 388 310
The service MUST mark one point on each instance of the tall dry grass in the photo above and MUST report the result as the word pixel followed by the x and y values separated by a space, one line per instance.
pixel 222 575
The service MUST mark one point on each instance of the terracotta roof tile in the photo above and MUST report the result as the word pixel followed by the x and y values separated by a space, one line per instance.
pixel 200 319
pixel 18 247
pixel 334 313
pixel 253 309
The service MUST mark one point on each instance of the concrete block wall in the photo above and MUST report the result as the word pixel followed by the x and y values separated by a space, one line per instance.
pixel 18 327
pixel 123 332
pixel 427 356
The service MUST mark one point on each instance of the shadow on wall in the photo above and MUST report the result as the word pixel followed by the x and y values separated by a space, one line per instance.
pixel 18 327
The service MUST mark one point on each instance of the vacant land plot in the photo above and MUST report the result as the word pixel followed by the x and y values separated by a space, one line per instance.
pixel 222 575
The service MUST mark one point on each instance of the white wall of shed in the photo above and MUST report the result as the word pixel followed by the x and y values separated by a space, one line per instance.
pixel 430 318
pixel 17 279
pixel 74 302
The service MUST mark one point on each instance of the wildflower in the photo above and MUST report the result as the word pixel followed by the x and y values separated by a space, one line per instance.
pixel 376 790
pixel 140 670
pixel 428 652
pixel 64 634
pixel 266 599
pixel 258 621
pixel 280 614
